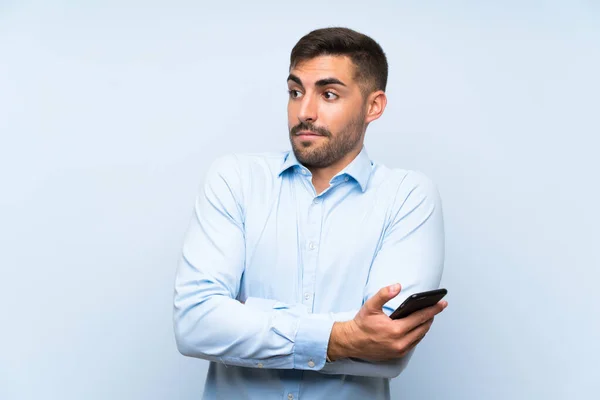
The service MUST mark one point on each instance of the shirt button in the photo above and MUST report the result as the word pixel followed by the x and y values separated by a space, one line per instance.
pixel 316 201
pixel 346 179
pixel 306 296
pixel 312 246
pixel 311 364
pixel 260 365
pixel 290 396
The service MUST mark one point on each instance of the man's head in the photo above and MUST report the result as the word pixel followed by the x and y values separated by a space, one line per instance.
pixel 337 87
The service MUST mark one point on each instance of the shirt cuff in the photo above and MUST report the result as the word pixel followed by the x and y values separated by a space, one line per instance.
pixel 312 339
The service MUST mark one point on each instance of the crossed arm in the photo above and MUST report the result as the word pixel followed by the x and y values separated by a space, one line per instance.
pixel 207 316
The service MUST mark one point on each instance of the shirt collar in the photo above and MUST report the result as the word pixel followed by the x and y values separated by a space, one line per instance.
pixel 359 169
pixel 289 161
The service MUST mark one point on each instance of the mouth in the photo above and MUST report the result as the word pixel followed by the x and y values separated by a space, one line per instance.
pixel 307 134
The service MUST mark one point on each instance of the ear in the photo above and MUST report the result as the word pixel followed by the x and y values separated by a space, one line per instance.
pixel 375 104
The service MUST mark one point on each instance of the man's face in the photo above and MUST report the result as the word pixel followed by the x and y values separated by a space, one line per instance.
pixel 326 110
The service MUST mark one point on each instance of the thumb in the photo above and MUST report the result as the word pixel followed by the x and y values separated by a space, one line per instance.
pixel 378 300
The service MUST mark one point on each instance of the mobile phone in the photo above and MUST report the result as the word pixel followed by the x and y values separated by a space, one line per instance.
pixel 418 301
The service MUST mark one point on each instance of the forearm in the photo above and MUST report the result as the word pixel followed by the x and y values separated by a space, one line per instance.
pixel 211 325
pixel 380 369
pixel 339 348
pixel 345 362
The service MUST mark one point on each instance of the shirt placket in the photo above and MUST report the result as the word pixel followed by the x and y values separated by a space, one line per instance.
pixel 311 251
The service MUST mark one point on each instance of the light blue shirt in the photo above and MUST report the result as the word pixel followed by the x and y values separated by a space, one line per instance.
pixel 268 266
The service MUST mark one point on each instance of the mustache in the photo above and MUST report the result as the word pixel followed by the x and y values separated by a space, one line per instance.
pixel 307 126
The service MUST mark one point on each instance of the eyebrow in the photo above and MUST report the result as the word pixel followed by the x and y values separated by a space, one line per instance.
pixel 320 82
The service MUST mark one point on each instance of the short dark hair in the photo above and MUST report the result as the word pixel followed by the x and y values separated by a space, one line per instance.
pixel 366 54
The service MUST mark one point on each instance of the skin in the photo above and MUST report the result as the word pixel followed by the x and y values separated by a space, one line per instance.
pixel 326 100
pixel 374 336
pixel 328 115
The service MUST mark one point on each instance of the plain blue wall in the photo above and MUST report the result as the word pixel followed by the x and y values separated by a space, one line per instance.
pixel 111 111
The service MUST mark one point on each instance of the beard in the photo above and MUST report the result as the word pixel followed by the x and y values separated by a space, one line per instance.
pixel 329 150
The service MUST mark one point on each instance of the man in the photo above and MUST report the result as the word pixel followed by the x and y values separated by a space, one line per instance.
pixel 291 263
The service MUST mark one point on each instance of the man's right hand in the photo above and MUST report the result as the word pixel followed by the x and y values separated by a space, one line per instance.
pixel 373 335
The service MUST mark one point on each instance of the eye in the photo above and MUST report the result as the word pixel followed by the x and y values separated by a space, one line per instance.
pixel 330 96
pixel 294 94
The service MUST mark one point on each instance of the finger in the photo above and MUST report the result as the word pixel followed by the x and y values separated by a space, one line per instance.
pixel 378 300
pixel 420 317
pixel 412 338
pixel 411 346
pixel 425 325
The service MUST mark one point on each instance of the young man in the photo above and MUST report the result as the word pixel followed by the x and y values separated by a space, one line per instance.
pixel 291 264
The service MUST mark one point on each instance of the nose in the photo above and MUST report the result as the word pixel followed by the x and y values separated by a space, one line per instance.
pixel 308 110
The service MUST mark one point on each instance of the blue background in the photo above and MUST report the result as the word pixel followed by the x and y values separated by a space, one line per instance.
pixel 110 113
